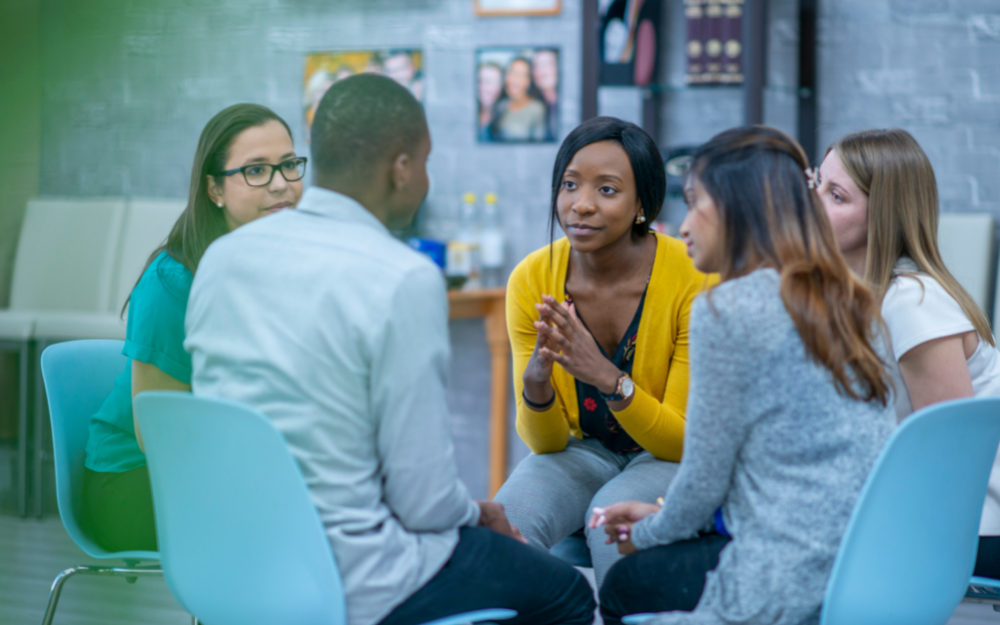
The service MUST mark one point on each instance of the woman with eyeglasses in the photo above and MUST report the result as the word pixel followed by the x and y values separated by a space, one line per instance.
pixel 245 168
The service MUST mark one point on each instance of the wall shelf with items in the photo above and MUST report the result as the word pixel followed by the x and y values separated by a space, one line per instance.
pixel 738 50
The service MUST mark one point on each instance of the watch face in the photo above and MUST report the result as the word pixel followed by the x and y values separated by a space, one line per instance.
pixel 627 387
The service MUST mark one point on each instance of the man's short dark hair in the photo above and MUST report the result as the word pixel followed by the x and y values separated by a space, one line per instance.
pixel 363 119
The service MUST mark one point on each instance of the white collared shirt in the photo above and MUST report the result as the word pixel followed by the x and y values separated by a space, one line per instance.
pixel 338 332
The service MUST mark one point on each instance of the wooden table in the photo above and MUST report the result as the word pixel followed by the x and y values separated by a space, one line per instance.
pixel 488 304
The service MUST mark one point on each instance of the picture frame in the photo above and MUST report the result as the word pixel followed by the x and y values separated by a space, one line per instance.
pixel 517 94
pixel 323 69
pixel 508 8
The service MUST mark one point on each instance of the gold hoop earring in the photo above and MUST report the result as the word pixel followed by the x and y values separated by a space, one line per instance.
pixel 640 219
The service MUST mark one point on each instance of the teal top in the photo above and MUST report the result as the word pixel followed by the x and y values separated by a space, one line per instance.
pixel 155 336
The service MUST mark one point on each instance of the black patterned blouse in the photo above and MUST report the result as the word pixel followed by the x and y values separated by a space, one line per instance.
pixel 596 419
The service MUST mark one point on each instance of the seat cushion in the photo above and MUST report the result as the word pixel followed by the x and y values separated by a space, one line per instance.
pixel 79 325
pixel 16 325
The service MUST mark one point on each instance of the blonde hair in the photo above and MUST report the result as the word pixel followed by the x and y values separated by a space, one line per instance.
pixel 894 172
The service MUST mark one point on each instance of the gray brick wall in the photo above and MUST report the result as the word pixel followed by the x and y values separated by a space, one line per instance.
pixel 127 87
pixel 931 67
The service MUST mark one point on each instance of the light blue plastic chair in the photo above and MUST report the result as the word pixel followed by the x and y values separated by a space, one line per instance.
pixel 78 377
pixel 240 539
pixel 984 590
pixel 910 545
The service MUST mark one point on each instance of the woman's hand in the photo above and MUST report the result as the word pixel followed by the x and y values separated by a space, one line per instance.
pixel 538 374
pixel 569 343
pixel 617 521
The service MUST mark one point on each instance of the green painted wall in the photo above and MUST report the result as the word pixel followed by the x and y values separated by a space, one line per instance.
pixel 20 157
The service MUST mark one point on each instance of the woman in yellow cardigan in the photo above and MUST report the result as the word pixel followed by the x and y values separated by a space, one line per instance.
pixel 598 325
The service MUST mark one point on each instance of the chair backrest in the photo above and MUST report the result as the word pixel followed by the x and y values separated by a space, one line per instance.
pixel 910 544
pixel 966 244
pixel 66 255
pixel 147 224
pixel 240 539
pixel 78 376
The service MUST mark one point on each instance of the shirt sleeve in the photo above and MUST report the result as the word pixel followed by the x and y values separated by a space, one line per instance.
pixel 545 431
pixel 659 426
pixel 716 430
pixel 155 331
pixel 917 309
pixel 408 381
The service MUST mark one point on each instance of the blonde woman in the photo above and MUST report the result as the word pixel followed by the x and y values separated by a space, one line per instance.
pixel 879 191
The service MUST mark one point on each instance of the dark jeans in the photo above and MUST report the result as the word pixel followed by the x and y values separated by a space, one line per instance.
pixel 988 557
pixel 488 570
pixel 661 579
pixel 119 509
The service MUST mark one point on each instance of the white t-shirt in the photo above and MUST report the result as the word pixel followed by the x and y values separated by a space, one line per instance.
pixel 917 309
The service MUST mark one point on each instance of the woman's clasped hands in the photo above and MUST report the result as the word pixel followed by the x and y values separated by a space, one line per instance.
pixel 563 338
pixel 617 521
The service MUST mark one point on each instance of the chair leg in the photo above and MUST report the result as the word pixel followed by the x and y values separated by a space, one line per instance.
pixel 23 371
pixel 57 585
pixel 41 420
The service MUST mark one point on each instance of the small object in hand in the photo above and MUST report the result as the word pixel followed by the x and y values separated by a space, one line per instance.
pixel 659 501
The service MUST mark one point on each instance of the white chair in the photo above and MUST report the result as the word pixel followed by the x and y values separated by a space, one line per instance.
pixel 147 223
pixel 65 259
pixel 966 244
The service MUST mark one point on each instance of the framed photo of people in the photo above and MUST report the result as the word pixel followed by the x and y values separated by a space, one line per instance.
pixel 405 66
pixel 517 95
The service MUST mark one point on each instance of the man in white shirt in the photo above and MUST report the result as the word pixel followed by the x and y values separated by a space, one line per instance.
pixel 336 331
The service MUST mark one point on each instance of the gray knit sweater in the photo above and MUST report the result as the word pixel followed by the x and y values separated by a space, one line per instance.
pixel 771 441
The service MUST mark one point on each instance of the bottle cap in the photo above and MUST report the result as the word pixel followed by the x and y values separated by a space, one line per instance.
pixel 469 198
pixel 491 198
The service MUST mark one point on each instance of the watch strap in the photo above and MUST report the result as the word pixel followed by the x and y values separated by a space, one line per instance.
pixel 617 395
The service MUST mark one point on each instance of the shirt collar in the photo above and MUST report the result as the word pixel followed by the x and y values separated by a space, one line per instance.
pixel 327 203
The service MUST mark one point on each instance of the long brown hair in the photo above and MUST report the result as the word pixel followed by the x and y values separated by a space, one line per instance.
pixel 202 222
pixel 894 172
pixel 771 218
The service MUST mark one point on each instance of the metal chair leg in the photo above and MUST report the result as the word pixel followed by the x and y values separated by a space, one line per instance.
pixel 41 421
pixel 23 373
pixel 57 585
pixel 50 609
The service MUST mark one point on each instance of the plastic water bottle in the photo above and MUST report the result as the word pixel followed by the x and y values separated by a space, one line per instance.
pixel 463 251
pixel 491 244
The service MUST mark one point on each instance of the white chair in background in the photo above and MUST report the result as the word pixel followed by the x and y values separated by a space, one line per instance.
pixel 966 244
pixel 65 259
pixel 146 226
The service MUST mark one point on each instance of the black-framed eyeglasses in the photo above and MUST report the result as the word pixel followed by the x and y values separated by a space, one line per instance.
pixel 261 174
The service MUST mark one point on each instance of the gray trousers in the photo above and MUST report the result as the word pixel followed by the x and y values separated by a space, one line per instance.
pixel 550 496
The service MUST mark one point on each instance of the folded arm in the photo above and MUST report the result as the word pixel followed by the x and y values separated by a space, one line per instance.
pixel 659 425
pixel 543 431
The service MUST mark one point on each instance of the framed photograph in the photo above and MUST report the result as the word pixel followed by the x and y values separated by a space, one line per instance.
pixel 517 95
pixel 502 8
pixel 325 68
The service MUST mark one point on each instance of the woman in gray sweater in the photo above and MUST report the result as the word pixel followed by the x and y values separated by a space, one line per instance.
pixel 788 405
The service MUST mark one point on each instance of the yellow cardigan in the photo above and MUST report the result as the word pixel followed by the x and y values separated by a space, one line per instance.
pixel 655 417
